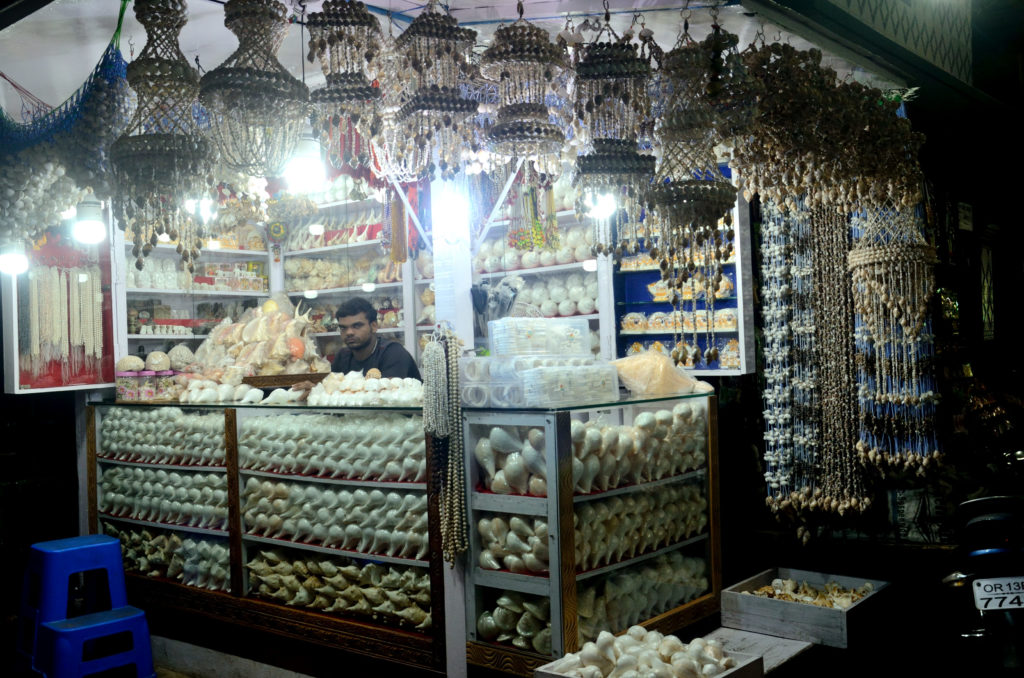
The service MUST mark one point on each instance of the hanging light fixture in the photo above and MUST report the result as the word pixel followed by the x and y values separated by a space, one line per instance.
pixel 162 158
pixel 426 116
pixel 525 64
pixel 304 172
pixel 89 227
pixel 347 41
pixel 258 107
pixel 612 175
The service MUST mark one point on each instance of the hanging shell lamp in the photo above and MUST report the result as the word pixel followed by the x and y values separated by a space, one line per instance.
pixel 162 158
pixel 347 41
pixel 258 107
pixel 427 116
pixel 612 77
pixel 525 64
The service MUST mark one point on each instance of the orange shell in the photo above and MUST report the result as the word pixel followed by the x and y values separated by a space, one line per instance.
pixel 373 373
pixel 296 347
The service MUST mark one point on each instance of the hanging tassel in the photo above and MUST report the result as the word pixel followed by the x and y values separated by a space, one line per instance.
pixel 399 230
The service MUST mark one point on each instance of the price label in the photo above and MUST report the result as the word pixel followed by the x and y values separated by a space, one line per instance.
pixel 1004 593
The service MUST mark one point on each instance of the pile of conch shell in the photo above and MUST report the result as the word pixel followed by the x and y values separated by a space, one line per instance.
pixel 640 652
pixel 608 530
pixel 193 561
pixel 645 590
pixel 164 435
pixel 385 447
pixel 657 445
pixel 267 340
pixel 187 498
pixel 523 621
pixel 392 524
pixel 387 594
pixel 516 546
pixel 355 390
pixel 209 391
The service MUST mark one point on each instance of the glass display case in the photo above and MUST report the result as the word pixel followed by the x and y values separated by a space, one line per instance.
pixel 286 515
pixel 585 519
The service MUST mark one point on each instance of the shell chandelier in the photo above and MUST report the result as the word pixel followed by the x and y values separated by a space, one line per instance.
pixel 526 65
pixel 347 41
pixel 162 158
pixel 612 75
pixel 690 196
pixel 258 108
pixel 428 116
pixel 893 281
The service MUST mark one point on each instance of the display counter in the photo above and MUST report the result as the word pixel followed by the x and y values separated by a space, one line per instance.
pixel 588 518
pixel 312 523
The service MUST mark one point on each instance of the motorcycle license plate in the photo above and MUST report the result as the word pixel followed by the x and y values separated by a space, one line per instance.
pixel 1002 593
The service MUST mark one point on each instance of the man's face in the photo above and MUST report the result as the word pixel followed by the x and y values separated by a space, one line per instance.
pixel 356 332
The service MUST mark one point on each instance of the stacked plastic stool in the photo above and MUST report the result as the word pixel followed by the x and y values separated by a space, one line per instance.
pixel 111 636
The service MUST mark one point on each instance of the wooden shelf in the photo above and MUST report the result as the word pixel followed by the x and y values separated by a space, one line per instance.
pixel 640 487
pixel 172 467
pixel 195 293
pixel 345 290
pixel 215 532
pixel 357 555
pixel 383 484
pixel 327 249
pixel 538 270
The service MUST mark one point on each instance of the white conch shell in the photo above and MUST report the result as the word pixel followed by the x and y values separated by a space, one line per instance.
pixel 520 527
pixel 503 441
pixel 488 561
pixel 514 563
pixel 538 486
pixel 500 529
pixel 505 619
pixel 533 563
pixel 225 393
pixel 484 528
pixel 487 627
pixel 515 473
pixel 277 396
pixel 534 460
pixel 528 625
pixel 485 456
pixel 240 392
pixel 499 485
pixel 516 544
pixel 535 437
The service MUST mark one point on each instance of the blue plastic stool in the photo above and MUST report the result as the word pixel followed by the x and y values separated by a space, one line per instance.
pixel 101 641
pixel 51 565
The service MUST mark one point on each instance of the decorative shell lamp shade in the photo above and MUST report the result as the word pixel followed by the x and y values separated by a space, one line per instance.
pixel 524 63
pixel 611 99
pixel 162 158
pixel 258 108
pixel 347 41
pixel 424 111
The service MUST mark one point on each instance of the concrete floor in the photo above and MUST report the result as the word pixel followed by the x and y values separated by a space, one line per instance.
pixel 175 659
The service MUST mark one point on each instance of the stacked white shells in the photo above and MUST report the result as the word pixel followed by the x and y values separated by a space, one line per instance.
pixel 392 524
pixel 194 561
pixel 517 544
pixel 163 435
pixel 523 621
pixel 495 256
pixel 384 446
pixel 208 391
pixel 385 593
pixel 355 390
pixel 639 592
pixel 640 652
pixel 657 445
pixel 608 530
pixel 187 498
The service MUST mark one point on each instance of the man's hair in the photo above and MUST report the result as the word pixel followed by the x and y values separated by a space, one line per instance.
pixel 355 306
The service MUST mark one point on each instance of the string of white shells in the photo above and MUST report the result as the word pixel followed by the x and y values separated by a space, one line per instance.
pixel 355 390
pixel 193 561
pixel 188 498
pixel 209 391
pixel 516 545
pixel 609 530
pixel 657 445
pixel 642 652
pixel 636 593
pixel 335 585
pixel 392 524
pixel 165 435
pixel 523 621
pixel 384 447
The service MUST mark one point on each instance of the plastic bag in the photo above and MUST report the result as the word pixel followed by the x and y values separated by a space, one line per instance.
pixel 652 373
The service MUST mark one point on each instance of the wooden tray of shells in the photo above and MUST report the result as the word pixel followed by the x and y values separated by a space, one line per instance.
pixel 284 380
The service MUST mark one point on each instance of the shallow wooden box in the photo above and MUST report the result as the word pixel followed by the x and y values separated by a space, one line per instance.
pixel 747 666
pixel 798 621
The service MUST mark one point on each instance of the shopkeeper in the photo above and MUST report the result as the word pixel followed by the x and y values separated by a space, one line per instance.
pixel 357 324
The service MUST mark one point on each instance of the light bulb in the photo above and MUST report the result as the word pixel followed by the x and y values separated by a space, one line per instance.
pixel 600 206
pixel 304 173
pixel 213 244
pixel 310 294
pixel 89 227
pixel 13 260
pixel 590 265
pixel 316 229
pixel 369 287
